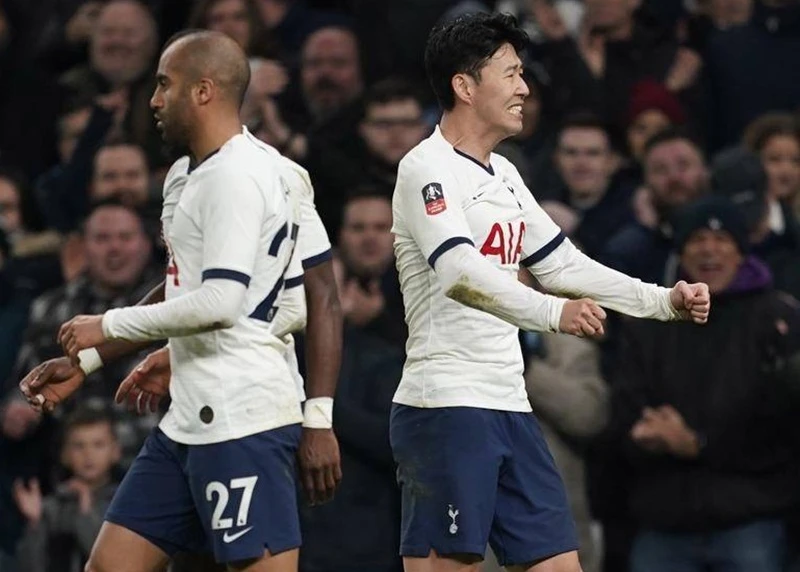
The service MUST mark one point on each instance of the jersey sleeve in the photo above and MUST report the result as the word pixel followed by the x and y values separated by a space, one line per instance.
pixel 427 207
pixel 231 216
pixel 542 235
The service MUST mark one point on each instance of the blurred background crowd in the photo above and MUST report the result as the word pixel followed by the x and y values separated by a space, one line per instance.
pixel 662 136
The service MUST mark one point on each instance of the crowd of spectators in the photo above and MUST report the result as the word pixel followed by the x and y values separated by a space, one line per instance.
pixel 662 136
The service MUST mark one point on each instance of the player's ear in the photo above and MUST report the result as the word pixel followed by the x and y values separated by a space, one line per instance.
pixel 463 86
pixel 204 91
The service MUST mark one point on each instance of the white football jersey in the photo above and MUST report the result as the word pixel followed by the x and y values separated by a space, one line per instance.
pixel 457 355
pixel 230 219
pixel 312 245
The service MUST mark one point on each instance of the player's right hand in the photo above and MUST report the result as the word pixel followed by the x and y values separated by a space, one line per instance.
pixel 320 464
pixel 147 384
pixel 51 382
pixel 582 318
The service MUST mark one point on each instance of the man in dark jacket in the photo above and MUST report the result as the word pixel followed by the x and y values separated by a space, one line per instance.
pixel 705 416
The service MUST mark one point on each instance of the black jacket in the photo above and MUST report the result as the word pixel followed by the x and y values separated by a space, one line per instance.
pixel 360 528
pixel 720 378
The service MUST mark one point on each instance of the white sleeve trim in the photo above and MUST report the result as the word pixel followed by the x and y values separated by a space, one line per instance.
pixel 468 278
pixel 568 271
pixel 217 304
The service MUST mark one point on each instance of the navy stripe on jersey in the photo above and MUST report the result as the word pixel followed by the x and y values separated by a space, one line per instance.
pixel 447 245
pixel 317 259
pixel 279 238
pixel 488 169
pixel 226 274
pixel 294 282
pixel 544 251
pixel 265 311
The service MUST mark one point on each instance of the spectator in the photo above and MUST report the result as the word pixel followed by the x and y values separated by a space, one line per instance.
pixel 773 232
pixel 651 109
pixel 675 173
pixel 63 192
pixel 62 527
pixel 330 81
pixel 594 203
pixel 121 173
pixel 712 442
pixel 118 273
pixel 370 292
pixel 122 49
pixel 775 138
pixel 614 51
pixel 392 125
pixel 34 258
pixel 239 19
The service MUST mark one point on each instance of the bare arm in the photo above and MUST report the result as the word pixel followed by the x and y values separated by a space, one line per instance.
pixel 323 331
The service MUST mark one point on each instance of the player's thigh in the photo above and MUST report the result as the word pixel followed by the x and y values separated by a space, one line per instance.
pixel 449 563
pixel 564 562
pixel 118 549
pixel 448 461
pixel 154 500
pixel 533 522
pixel 286 561
pixel 246 495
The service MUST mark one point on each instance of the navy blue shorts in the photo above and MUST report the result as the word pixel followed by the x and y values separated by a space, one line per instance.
pixel 235 498
pixel 470 476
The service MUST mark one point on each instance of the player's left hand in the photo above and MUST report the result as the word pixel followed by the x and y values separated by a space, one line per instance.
pixel 147 384
pixel 320 464
pixel 79 333
pixel 692 301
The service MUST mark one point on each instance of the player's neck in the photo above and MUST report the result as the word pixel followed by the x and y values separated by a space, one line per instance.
pixel 468 135
pixel 213 135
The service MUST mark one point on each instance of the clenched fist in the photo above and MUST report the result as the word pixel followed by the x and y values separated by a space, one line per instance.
pixel 582 318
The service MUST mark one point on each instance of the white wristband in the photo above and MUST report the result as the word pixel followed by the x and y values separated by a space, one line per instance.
pixel 318 413
pixel 89 360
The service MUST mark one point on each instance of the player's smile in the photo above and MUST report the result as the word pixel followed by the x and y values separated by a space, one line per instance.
pixel 516 110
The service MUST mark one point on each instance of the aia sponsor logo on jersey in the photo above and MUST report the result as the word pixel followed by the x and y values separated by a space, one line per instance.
pixel 505 241
pixel 433 196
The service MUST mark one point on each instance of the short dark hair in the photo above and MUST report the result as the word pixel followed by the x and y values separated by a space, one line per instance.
pixel 120 140
pixel 759 132
pixel 390 90
pixel 365 191
pixel 464 46
pixel 86 415
pixel 674 133
pixel 96 205
pixel 261 44
pixel 584 120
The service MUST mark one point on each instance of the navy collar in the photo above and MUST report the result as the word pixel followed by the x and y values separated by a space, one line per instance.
pixel 488 169
pixel 193 165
